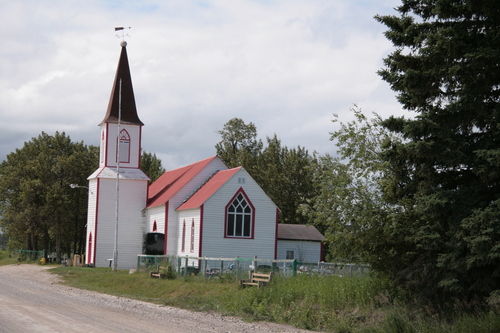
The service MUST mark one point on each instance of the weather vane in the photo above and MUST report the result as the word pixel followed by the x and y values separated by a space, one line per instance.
pixel 122 29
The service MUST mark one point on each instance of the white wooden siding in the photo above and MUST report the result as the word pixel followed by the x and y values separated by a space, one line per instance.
pixel 92 204
pixel 174 229
pixel 135 140
pixel 132 201
pixel 188 215
pixel 305 251
pixel 262 245
pixel 172 237
pixel 156 214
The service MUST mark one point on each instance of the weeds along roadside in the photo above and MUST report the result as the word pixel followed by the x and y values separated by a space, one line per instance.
pixel 306 301
pixel 329 304
pixel 322 303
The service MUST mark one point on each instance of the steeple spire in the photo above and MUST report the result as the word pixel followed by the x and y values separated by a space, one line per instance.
pixel 129 110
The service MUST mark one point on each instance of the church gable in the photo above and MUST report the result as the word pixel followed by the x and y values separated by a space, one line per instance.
pixel 206 191
pixel 183 181
pixel 237 217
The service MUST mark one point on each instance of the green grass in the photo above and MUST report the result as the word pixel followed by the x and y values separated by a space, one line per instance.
pixel 332 304
pixel 7 258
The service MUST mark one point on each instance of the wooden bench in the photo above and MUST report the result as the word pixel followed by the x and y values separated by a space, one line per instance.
pixel 158 274
pixel 257 279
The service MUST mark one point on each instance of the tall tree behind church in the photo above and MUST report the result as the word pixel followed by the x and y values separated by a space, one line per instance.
pixel 446 69
pixel 281 172
pixel 151 165
pixel 239 145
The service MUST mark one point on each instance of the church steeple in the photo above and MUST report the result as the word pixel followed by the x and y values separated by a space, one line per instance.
pixel 121 142
pixel 129 110
pixel 119 163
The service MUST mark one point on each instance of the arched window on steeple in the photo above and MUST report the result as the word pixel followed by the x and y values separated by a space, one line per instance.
pixel 124 142
pixel 102 147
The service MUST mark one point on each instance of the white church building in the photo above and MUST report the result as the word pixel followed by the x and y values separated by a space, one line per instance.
pixel 200 210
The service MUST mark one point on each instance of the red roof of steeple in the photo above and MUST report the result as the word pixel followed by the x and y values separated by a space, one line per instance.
pixel 128 108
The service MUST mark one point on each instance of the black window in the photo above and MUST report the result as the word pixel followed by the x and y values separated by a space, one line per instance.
pixel 239 218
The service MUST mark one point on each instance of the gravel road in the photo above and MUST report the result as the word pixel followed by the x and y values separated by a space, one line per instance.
pixel 31 300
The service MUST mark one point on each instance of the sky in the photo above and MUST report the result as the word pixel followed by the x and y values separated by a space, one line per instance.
pixel 285 65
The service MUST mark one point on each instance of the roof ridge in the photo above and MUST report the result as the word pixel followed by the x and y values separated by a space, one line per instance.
pixel 199 187
pixel 163 190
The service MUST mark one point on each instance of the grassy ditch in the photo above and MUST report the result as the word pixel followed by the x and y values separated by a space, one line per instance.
pixel 331 304
pixel 7 258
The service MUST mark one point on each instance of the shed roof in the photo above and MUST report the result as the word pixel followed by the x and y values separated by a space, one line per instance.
pixel 299 232
pixel 172 181
pixel 208 189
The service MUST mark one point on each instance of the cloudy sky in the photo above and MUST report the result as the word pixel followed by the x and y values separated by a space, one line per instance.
pixel 285 65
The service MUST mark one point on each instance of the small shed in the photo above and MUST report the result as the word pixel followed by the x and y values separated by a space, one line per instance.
pixel 300 242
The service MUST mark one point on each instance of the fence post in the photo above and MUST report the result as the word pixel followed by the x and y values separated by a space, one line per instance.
pixel 179 265
pixel 255 263
pixel 236 270
pixel 221 268
pixel 294 267
pixel 204 268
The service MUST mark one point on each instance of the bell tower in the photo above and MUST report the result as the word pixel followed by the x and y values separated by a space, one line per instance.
pixel 119 186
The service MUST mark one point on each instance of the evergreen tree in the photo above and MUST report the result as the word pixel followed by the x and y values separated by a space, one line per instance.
pixel 284 175
pixel 446 68
pixel 151 165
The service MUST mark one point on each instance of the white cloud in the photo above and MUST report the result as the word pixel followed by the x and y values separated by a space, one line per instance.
pixel 284 65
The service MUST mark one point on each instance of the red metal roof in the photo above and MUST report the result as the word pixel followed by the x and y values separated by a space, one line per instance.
pixel 206 191
pixel 172 181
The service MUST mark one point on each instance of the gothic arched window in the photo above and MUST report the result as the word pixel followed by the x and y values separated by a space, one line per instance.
pixel 124 144
pixel 192 235
pixel 240 216
pixel 183 241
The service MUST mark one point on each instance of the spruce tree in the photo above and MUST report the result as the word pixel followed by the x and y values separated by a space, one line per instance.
pixel 446 69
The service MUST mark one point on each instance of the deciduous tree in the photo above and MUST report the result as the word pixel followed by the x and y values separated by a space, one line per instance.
pixel 281 172
pixel 37 206
pixel 239 145
pixel 349 206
